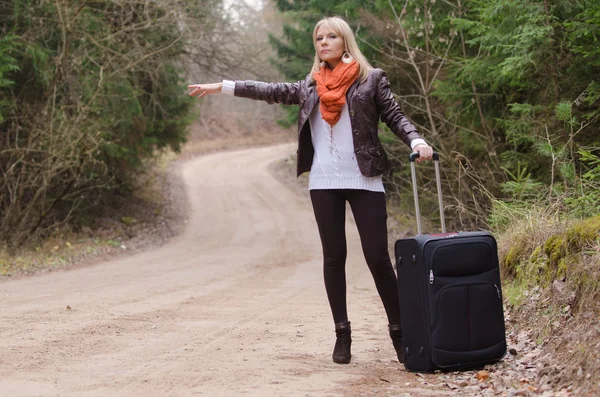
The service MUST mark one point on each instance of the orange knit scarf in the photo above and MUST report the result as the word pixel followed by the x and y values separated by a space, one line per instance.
pixel 332 85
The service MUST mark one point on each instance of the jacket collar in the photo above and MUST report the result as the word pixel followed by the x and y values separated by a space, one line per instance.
pixel 352 88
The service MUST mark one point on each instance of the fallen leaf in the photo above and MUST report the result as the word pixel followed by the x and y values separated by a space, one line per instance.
pixel 450 386
pixel 482 375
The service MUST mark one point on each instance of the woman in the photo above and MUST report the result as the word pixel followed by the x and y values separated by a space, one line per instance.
pixel 341 102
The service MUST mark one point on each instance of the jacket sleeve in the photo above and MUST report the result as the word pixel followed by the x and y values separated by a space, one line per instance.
pixel 283 93
pixel 391 113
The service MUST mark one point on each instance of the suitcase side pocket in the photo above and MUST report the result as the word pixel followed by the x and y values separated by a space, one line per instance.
pixel 469 325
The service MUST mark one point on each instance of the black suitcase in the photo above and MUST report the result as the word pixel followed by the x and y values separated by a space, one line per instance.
pixel 450 296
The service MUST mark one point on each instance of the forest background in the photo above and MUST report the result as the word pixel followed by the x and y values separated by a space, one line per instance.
pixel 92 92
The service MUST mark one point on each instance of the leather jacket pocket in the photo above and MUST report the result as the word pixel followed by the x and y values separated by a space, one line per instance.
pixel 378 157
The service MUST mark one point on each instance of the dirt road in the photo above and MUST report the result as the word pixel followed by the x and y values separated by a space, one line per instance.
pixel 234 306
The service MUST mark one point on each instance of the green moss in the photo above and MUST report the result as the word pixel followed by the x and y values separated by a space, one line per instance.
pixel 563 265
pixel 555 248
pixel 557 258
pixel 536 254
pixel 583 233
pixel 128 220
pixel 512 259
pixel 565 247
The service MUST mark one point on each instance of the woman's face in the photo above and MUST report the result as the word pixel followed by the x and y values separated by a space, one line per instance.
pixel 330 46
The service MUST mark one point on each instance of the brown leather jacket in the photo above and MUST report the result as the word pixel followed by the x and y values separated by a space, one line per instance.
pixel 367 102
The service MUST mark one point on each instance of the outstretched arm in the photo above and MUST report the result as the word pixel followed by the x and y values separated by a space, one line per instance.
pixel 284 93
pixel 200 90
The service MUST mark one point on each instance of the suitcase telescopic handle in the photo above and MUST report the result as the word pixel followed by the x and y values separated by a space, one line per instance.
pixel 436 160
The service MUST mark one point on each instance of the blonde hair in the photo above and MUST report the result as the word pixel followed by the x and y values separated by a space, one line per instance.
pixel 341 27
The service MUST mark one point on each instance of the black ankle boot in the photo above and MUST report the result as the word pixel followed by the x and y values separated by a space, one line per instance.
pixel 396 335
pixel 341 351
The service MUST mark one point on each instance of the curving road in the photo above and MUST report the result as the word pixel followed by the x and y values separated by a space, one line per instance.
pixel 234 306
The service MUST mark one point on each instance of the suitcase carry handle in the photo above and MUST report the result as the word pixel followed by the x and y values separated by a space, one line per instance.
pixel 436 160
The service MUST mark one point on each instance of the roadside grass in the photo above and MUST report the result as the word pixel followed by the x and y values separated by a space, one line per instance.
pixel 541 251
pixel 514 292
pixel 551 283
pixel 55 253
pixel 107 235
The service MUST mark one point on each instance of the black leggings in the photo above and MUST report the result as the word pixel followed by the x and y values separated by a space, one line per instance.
pixel 370 215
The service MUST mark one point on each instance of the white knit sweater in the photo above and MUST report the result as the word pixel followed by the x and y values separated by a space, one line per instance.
pixel 334 165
